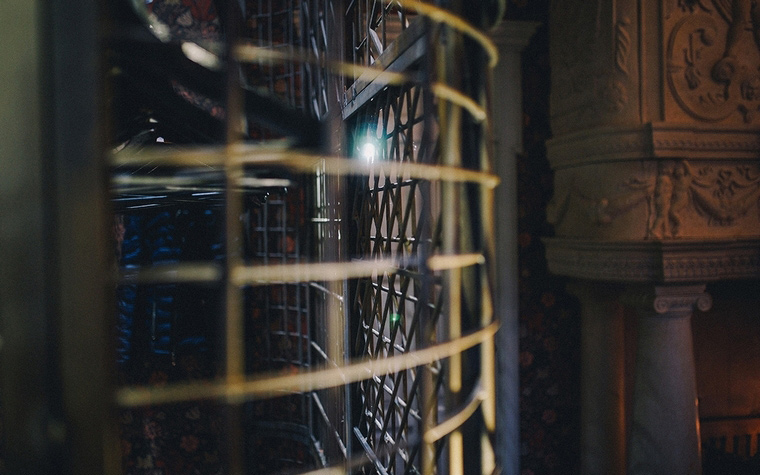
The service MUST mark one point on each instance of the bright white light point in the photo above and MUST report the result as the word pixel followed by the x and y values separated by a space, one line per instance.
pixel 368 151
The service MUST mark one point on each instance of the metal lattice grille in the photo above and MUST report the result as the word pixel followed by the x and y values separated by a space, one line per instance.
pixel 274 24
pixel 335 306
pixel 374 26
pixel 351 328
pixel 317 19
pixel 281 336
pixel 396 311
pixel 278 335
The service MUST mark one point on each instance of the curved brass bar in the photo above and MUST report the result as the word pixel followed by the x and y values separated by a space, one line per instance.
pixel 257 54
pixel 314 272
pixel 455 421
pixel 278 385
pixel 440 15
pixel 454 261
pixel 294 159
pixel 195 272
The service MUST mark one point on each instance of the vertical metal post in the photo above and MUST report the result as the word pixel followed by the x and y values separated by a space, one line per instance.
pixel 506 125
pixel 81 221
pixel 450 119
pixel 234 324
pixel 24 288
pixel 427 333
pixel 54 288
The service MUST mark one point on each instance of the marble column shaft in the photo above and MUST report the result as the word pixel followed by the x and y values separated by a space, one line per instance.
pixel 664 432
pixel 507 115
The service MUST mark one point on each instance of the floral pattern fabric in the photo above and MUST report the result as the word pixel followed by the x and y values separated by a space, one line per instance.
pixel 549 316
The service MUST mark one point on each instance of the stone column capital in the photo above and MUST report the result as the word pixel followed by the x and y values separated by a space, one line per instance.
pixel 681 299
pixel 670 301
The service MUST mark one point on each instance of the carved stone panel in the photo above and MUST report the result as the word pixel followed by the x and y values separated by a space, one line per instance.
pixel 658 200
pixel 712 54
pixel 594 64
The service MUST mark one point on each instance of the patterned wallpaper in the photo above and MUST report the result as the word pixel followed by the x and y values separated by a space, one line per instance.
pixel 549 316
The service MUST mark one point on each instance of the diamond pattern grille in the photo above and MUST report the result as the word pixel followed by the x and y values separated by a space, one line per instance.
pixel 396 312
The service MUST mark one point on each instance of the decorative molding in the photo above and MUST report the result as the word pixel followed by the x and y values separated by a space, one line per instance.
pixel 653 140
pixel 654 261
pixel 599 145
pixel 622 44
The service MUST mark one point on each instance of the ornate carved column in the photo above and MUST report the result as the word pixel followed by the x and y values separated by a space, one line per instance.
pixel 664 433
pixel 656 121
pixel 507 116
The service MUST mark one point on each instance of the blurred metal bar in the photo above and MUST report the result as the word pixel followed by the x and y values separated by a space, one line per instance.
pixel 185 272
pixel 80 233
pixel 234 323
pixel 309 162
pixel 506 123
pixel 25 304
pixel 271 385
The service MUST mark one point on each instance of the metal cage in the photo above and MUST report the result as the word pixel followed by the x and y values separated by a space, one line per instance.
pixel 303 195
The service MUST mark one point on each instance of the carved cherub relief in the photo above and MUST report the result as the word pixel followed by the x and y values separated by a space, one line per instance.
pixel 675 194
pixel 670 197
pixel 720 195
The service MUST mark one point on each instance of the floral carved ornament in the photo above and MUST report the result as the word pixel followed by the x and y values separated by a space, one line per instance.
pixel 721 195
pixel 713 59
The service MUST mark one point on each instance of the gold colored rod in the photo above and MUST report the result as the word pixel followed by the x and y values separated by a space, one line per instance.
pixel 332 271
pixel 339 166
pixel 172 183
pixel 278 385
pixel 456 22
pixel 455 327
pixel 328 471
pixel 258 54
pixel 451 120
pixel 265 274
pixel 456 453
pixel 141 180
pixel 455 96
pixel 437 14
pixel 344 166
pixel 172 273
pixel 488 358
pixel 200 156
pixel 454 422
pixel 250 53
pixel 234 319
pixel 454 261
